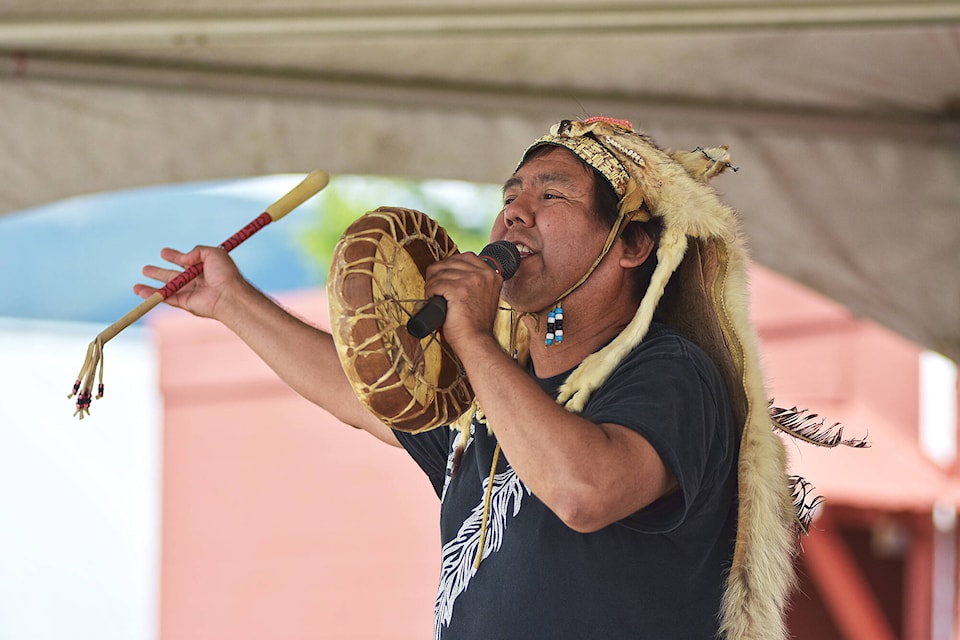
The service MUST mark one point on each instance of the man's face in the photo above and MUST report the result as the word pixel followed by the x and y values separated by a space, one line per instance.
pixel 548 212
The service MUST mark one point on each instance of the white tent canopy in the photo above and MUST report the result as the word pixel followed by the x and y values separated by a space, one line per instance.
pixel 843 117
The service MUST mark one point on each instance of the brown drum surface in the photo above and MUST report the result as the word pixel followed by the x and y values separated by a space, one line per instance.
pixel 376 280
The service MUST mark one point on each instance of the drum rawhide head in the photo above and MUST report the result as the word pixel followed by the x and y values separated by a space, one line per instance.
pixel 376 282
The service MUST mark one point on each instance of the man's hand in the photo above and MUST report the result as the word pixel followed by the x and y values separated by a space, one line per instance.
pixel 472 291
pixel 204 294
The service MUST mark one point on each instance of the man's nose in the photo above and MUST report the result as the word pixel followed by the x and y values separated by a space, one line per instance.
pixel 520 211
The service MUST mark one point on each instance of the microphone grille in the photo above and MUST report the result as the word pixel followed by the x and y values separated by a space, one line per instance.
pixel 505 254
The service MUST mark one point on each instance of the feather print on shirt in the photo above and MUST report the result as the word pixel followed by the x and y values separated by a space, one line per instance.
pixel 458 556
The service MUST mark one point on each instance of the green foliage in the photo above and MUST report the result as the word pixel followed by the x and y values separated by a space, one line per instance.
pixel 465 210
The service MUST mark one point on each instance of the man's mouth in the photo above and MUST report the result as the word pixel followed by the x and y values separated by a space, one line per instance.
pixel 524 250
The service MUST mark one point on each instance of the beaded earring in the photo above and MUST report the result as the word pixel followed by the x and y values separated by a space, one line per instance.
pixel 554 326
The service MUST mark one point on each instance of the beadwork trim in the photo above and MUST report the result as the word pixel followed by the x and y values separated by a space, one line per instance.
pixel 594 154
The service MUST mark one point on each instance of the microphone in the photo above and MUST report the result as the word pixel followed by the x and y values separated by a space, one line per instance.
pixel 502 256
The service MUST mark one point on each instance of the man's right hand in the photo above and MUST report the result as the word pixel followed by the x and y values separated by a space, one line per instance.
pixel 203 295
pixel 304 356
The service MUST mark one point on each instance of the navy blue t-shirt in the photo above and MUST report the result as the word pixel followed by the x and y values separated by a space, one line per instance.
pixel 658 573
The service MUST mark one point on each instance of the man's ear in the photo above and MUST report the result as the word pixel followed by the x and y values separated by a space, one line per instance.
pixel 635 252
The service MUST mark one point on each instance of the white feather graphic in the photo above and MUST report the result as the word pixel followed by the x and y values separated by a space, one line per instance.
pixel 459 555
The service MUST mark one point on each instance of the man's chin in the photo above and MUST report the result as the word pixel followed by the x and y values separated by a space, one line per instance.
pixel 521 304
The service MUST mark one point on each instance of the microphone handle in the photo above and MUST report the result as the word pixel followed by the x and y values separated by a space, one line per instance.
pixel 429 318
pixel 431 315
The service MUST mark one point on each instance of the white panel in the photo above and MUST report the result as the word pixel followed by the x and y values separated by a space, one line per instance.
pixel 79 501
pixel 938 407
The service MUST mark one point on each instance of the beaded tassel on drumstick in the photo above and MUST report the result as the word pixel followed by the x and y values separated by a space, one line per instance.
pixel 93 363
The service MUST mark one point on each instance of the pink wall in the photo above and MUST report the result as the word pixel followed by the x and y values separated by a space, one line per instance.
pixel 819 357
pixel 817 353
pixel 279 521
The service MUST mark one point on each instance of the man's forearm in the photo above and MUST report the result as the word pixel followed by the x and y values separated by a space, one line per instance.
pixel 304 356
pixel 589 474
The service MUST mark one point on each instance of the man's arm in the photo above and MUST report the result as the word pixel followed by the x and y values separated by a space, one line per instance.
pixel 304 356
pixel 590 475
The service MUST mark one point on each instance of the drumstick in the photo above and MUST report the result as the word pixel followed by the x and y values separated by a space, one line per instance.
pixel 83 387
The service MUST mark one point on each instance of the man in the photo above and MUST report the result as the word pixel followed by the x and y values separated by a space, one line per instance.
pixel 596 494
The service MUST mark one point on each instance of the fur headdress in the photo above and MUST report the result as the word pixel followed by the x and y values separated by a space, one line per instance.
pixel 701 249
